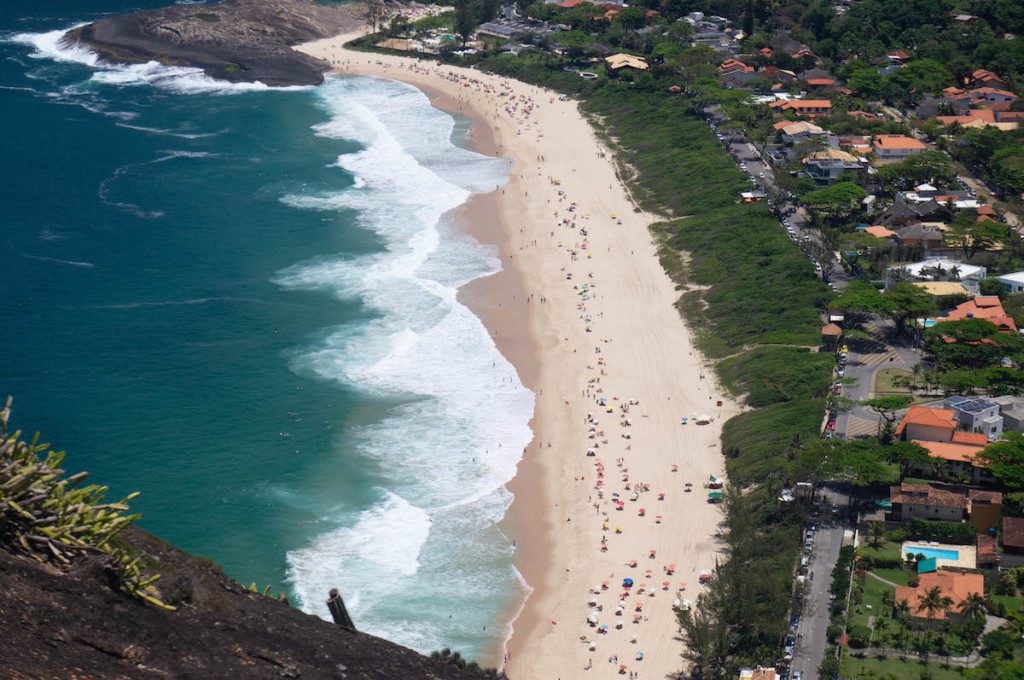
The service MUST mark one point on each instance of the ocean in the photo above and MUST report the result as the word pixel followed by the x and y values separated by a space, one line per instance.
pixel 241 302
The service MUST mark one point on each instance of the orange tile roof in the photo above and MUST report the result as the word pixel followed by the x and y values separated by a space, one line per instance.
pixel 953 585
pixel 986 307
pixel 832 330
pixel 985 75
pixel 963 453
pixel 985 115
pixel 821 82
pixel 992 90
pixel 898 142
pixel 932 417
pixel 973 438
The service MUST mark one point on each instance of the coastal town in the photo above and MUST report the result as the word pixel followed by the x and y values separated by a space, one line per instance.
pixel 897 178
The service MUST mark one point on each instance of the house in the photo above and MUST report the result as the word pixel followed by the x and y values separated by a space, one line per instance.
pixel 955 459
pixel 977 415
pixel 991 95
pixel 1012 410
pixel 896 147
pixel 620 61
pixel 987 555
pixel 981 115
pixel 820 82
pixel 759 673
pixel 956 586
pixel 1013 535
pixel 730 66
pixel 938 269
pixel 793 132
pixel 985 509
pixel 927 424
pixel 922 235
pixel 803 107
pixel 801 53
pixel 935 429
pixel 982 77
pixel 828 165
pixel 898 57
pixel 964 19
pixel 1012 283
pixel 986 307
pixel 924 501
pixel 901 212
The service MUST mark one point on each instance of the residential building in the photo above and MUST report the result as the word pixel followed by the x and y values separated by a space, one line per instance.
pixel 1013 535
pixel 982 78
pixel 1012 283
pixel 927 424
pixel 902 213
pixel 938 269
pixel 878 231
pixel 985 509
pixel 927 236
pixel 734 65
pixel 798 131
pixel 1012 410
pixel 830 335
pixel 828 165
pixel 620 61
pixel 986 307
pixel 803 107
pixel 924 501
pixel 977 415
pixel 983 115
pixel 988 551
pixel 896 147
pixel 956 586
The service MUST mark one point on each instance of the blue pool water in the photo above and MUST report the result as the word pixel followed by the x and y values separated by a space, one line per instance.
pixel 938 553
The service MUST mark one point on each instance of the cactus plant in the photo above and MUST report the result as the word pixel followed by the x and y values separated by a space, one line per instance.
pixel 53 518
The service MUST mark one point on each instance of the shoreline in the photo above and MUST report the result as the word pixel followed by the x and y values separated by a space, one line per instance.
pixel 664 379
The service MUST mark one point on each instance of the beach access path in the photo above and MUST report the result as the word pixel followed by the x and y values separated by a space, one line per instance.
pixel 616 372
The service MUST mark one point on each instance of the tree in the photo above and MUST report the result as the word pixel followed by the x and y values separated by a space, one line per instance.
pixel 1006 459
pixel 375 13
pixel 974 606
pixel 835 202
pixel 907 301
pixel 974 235
pixel 465 20
pixel 876 533
pixel 933 602
pixel 888 407
pixel 860 297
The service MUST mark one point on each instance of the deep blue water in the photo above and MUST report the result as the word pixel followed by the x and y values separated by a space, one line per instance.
pixel 241 304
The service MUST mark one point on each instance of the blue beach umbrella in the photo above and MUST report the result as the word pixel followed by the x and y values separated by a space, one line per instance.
pixel 627 583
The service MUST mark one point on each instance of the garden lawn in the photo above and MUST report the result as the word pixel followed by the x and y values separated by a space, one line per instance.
pixel 872 602
pixel 896 668
pixel 886 382
pixel 1012 603
pixel 886 550
pixel 898 576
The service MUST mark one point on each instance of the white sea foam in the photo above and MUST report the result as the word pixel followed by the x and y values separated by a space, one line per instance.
pixel 180 79
pixel 453 443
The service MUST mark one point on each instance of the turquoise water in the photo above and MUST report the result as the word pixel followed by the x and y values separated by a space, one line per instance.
pixel 932 552
pixel 241 303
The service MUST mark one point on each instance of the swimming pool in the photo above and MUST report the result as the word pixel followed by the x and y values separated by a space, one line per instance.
pixel 938 553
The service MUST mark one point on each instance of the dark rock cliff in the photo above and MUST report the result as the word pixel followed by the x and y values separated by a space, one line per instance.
pixel 235 40
pixel 77 624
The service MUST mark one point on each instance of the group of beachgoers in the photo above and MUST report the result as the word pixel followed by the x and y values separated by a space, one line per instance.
pixel 617 608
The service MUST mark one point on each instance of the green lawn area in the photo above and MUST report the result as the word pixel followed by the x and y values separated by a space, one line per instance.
pixel 886 383
pixel 887 549
pixel 897 576
pixel 896 668
pixel 872 603
pixel 1012 603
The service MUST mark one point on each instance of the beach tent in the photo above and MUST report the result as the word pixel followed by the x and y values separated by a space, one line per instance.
pixel 714 496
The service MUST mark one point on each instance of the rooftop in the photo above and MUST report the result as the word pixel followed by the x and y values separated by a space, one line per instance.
pixel 953 585
pixel 986 307
pixel 930 417
pixel 1013 532
pixel 889 142
pixel 925 494
pixel 951 451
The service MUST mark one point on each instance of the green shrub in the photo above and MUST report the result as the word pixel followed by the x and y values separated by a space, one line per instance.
pixel 958 533
pixel 858 636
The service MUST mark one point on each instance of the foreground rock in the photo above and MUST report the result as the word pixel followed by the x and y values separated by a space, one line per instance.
pixel 235 40
pixel 75 624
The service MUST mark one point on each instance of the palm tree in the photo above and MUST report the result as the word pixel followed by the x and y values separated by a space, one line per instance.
pixel 903 621
pixel 876 533
pixel 888 598
pixel 933 602
pixel 973 605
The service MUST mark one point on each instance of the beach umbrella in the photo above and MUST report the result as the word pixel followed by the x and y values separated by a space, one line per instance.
pixel 670 568
pixel 622 667
pixel 637 618
pixel 664 585
pixel 627 583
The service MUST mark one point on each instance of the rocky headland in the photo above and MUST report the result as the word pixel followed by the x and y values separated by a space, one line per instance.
pixel 234 40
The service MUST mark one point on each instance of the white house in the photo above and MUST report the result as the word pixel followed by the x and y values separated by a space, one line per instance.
pixel 1012 283
pixel 937 269
pixel 977 415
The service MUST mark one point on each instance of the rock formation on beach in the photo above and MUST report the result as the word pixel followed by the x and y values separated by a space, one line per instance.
pixel 234 40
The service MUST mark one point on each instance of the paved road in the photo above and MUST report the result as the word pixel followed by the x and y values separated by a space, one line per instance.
pixel 812 630
pixel 862 362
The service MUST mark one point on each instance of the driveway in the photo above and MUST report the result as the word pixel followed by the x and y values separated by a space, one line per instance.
pixel 812 630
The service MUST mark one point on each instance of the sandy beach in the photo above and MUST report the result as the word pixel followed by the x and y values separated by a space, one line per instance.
pixel 587 316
